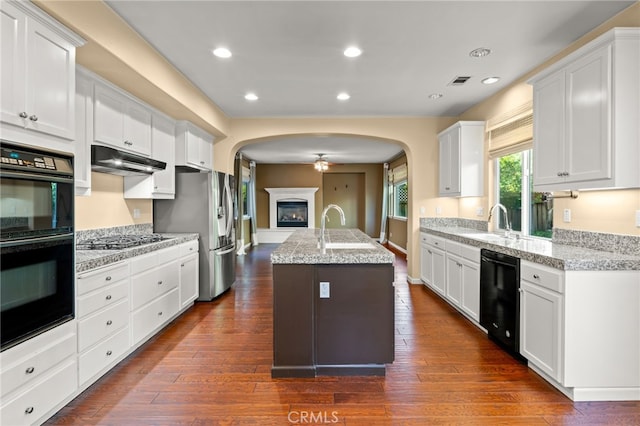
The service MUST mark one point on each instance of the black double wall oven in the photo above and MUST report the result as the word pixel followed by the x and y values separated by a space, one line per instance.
pixel 36 242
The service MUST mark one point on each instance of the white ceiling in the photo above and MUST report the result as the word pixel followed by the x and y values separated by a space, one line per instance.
pixel 290 54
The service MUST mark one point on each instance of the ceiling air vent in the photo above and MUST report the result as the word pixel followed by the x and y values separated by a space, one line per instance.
pixel 459 81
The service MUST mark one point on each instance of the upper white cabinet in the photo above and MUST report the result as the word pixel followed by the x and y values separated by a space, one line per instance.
pixel 38 74
pixel 120 121
pixel 84 132
pixel 585 112
pixel 194 147
pixel 461 172
pixel 160 184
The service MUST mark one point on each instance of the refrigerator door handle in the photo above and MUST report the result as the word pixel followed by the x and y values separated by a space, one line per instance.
pixel 229 200
pixel 220 253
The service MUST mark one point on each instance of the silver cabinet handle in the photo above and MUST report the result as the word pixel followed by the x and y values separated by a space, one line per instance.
pixel 109 322
pixel 202 162
pixel 108 278
pixel 33 118
pixel 128 143
pixel 23 115
pixel 29 410
pixel 108 297
pixel 160 313
pixel 182 265
pixel 160 282
pixel 29 370
pixel 536 276
pixel 109 353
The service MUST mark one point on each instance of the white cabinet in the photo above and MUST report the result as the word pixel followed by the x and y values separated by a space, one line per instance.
pixel 84 132
pixel 463 278
pixel 38 75
pixel 160 184
pixel 433 267
pixel 120 121
pixel 194 147
pixel 461 155
pixel 585 111
pixel 38 376
pixel 541 303
pixel 189 274
pixel 102 305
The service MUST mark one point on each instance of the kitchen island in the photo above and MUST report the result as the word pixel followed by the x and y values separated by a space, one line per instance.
pixel 333 312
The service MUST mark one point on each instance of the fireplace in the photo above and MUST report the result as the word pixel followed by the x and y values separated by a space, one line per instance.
pixel 292 214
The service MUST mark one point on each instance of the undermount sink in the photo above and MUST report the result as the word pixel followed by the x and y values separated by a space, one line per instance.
pixel 352 246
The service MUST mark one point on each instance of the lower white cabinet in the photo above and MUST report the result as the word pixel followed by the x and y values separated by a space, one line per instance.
pixel 154 315
pixel 541 302
pixel 433 267
pixel 189 274
pixel 38 376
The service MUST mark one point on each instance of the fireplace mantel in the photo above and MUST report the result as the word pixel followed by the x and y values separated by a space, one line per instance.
pixel 291 194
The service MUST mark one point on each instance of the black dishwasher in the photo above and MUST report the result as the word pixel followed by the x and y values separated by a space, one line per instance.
pixel 500 299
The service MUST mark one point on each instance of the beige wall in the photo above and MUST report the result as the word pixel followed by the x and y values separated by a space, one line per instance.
pixel 397 232
pixel 121 56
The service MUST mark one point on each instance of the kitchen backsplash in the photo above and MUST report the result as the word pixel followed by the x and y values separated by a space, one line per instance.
pixel 479 225
pixel 142 228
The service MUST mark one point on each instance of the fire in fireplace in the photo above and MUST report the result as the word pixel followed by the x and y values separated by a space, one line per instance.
pixel 292 214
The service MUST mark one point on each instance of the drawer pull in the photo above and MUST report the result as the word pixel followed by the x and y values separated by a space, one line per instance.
pixel 108 297
pixel 108 278
pixel 109 353
pixel 182 265
pixel 23 115
pixel 109 322
pixel 160 313
pixel 160 282
pixel 29 370
pixel 29 410
pixel 33 118
pixel 536 276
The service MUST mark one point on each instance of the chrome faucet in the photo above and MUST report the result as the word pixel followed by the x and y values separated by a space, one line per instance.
pixel 507 230
pixel 324 218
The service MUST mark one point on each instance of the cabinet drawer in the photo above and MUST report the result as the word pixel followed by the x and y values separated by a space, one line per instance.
pixel 154 315
pixel 439 242
pixel 452 247
pixel 29 407
pixel 188 248
pixel 424 238
pixel 97 278
pixel 34 366
pixel 103 355
pixel 168 254
pixel 149 285
pixel 470 253
pixel 144 262
pixel 543 276
pixel 98 326
pixel 102 298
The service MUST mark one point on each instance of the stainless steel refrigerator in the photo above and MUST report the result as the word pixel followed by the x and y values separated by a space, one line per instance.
pixel 204 203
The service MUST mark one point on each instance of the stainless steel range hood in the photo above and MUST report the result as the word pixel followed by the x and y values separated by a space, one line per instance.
pixel 110 160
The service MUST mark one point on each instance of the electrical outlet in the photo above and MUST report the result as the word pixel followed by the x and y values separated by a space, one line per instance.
pixel 325 289
pixel 637 218
pixel 422 210
pixel 566 215
pixel 136 213
pixel 479 211
pixel 438 210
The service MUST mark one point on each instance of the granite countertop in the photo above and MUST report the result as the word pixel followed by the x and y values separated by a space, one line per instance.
pixel 91 259
pixel 302 248
pixel 545 252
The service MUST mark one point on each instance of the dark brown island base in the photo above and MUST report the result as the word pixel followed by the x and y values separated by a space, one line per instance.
pixel 333 313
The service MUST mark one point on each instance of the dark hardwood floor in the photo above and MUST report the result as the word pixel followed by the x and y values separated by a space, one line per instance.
pixel 212 367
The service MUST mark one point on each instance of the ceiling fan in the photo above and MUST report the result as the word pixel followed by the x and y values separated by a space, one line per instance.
pixel 321 164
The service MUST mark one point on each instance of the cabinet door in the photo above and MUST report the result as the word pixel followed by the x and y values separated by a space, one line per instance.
pixel 193 144
pixel 588 137
pixel 163 142
pixel 438 267
pixel 426 268
pixel 12 65
pixel 454 279
pixel 548 130
pixel 540 313
pixel 206 153
pixel 137 129
pixel 108 126
pixel 84 133
pixel 470 299
pixel 444 173
pixel 189 280
pixel 50 89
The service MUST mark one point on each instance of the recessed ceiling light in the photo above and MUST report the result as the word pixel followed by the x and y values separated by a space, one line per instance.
pixel 352 52
pixel 222 52
pixel 490 80
pixel 343 96
pixel 479 52
pixel 435 96
pixel 251 97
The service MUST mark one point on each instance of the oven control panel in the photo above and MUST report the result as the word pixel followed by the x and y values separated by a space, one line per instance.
pixel 19 159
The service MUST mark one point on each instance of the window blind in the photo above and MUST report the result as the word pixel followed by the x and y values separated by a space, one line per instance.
pixel 511 132
pixel 399 173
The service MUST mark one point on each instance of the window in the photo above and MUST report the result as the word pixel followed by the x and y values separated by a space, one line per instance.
pixel 528 212
pixel 245 206
pixel 398 192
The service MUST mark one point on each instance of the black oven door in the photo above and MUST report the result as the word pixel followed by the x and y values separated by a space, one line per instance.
pixel 36 286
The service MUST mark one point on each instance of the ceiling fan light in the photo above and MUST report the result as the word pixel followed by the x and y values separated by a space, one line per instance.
pixel 352 52
pixel 321 164
pixel 490 80
pixel 343 96
pixel 222 52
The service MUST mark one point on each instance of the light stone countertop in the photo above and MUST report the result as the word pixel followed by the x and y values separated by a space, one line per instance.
pixel 545 252
pixel 91 259
pixel 302 248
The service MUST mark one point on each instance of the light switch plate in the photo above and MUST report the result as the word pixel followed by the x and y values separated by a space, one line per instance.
pixel 325 289
pixel 637 218
pixel 566 215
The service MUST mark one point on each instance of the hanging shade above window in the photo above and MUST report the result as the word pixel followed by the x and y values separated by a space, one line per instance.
pixel 511 132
